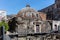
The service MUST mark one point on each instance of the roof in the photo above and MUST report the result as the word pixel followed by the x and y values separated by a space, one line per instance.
pixel 27 12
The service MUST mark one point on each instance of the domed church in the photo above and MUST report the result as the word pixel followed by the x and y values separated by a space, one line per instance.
pixel 31 21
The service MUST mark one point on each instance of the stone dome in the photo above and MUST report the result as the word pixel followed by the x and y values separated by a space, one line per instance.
pixel 27 12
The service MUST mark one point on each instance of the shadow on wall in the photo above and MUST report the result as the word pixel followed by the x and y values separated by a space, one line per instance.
pixel 12 25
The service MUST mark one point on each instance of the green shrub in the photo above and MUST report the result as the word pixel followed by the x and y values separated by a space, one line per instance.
pixel 3 23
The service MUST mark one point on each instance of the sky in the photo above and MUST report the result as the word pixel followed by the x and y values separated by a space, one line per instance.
pixel 14 6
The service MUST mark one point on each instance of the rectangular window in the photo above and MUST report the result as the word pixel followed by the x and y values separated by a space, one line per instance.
pixel 56 28
pixel 59 27
pixel 37 28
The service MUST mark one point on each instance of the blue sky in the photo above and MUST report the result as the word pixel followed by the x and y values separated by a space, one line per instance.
pixel 14 6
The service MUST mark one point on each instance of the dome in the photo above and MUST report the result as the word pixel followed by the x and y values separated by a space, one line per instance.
pixel 27 12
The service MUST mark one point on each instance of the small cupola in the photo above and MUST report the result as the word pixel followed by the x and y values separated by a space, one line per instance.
pixel 27 5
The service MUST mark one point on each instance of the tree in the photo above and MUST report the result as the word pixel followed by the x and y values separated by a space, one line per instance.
pixel 3 23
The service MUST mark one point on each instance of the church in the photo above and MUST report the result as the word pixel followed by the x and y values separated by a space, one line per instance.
pixel 36 25
pixel 29 21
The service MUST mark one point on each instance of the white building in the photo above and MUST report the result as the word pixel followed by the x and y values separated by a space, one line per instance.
pixel 56 25
pixel 3 15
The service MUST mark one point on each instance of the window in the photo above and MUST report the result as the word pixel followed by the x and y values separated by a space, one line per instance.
pixel 30 39
pixel 33 14
pixel 56 28
pixel 37 28
pixel 59 27
pixel 31 23
pixel 28 13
